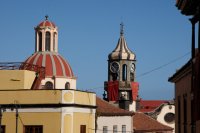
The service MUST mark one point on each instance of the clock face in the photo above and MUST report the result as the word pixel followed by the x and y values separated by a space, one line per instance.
pixel 132 69
pixel 114 67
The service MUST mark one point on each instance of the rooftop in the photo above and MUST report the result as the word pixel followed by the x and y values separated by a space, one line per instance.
pixel 106 109
pixel 144 122
pixel 150 105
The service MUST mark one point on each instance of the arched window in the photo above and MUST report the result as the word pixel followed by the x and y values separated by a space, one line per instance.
pixel 48 39
pixel 49 85
pixel 54 41
pixel 67 85
pixel 124 72
pixel 40 41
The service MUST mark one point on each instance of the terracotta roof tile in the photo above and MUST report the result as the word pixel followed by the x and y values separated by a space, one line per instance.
pixel 150 105
pixel 142 122
pixel 106 109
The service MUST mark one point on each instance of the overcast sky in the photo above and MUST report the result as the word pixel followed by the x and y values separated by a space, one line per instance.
pixel 89 30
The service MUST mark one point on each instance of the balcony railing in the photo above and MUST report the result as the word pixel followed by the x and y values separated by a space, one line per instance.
pixel 23 66
pixel 10 65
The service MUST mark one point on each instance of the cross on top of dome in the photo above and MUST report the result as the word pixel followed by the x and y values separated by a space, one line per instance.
pixel 46 23
pixel 121 29
pixel 46 17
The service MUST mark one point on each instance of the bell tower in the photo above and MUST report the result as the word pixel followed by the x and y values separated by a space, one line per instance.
pixel 121 88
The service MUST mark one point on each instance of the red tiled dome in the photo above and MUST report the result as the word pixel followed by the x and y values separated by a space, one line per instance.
pixel 46 23
pixel 55 65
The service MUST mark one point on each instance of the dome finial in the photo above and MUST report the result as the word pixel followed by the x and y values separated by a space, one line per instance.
pixel 46 17
pixel 121 29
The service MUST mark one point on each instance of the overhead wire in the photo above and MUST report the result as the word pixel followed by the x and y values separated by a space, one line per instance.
pixel 164 65
pixel 152 70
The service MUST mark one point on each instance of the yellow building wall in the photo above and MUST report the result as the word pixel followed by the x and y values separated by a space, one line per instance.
pixel 16 79
pixel 47 96
pixel 84 119
pixel 30 96
pixel 51 121
pixel 84 98
pixel 68 123
pixel 29 78
pixel 73 122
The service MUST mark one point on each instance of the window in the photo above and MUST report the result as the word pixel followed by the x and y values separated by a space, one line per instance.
pixel 67 85
pixel 123 128
pixel 105 129
pixel 48 39
pixel 2 129
pixel 124 72
pixel 169 117
pixel 49 85
pixel 83 129
pixel 115 129
pixel 33 129
pixel 40 41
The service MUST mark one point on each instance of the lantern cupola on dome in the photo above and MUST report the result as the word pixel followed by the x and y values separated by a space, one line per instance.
pixel 46 36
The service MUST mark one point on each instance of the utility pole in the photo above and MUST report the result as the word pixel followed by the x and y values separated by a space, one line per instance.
pixel 17 115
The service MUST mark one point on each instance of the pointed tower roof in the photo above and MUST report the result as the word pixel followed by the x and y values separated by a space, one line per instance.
pixel 121 51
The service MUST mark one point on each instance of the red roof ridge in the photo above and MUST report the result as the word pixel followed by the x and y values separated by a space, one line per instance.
pixel 151 105
pixel 104 108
